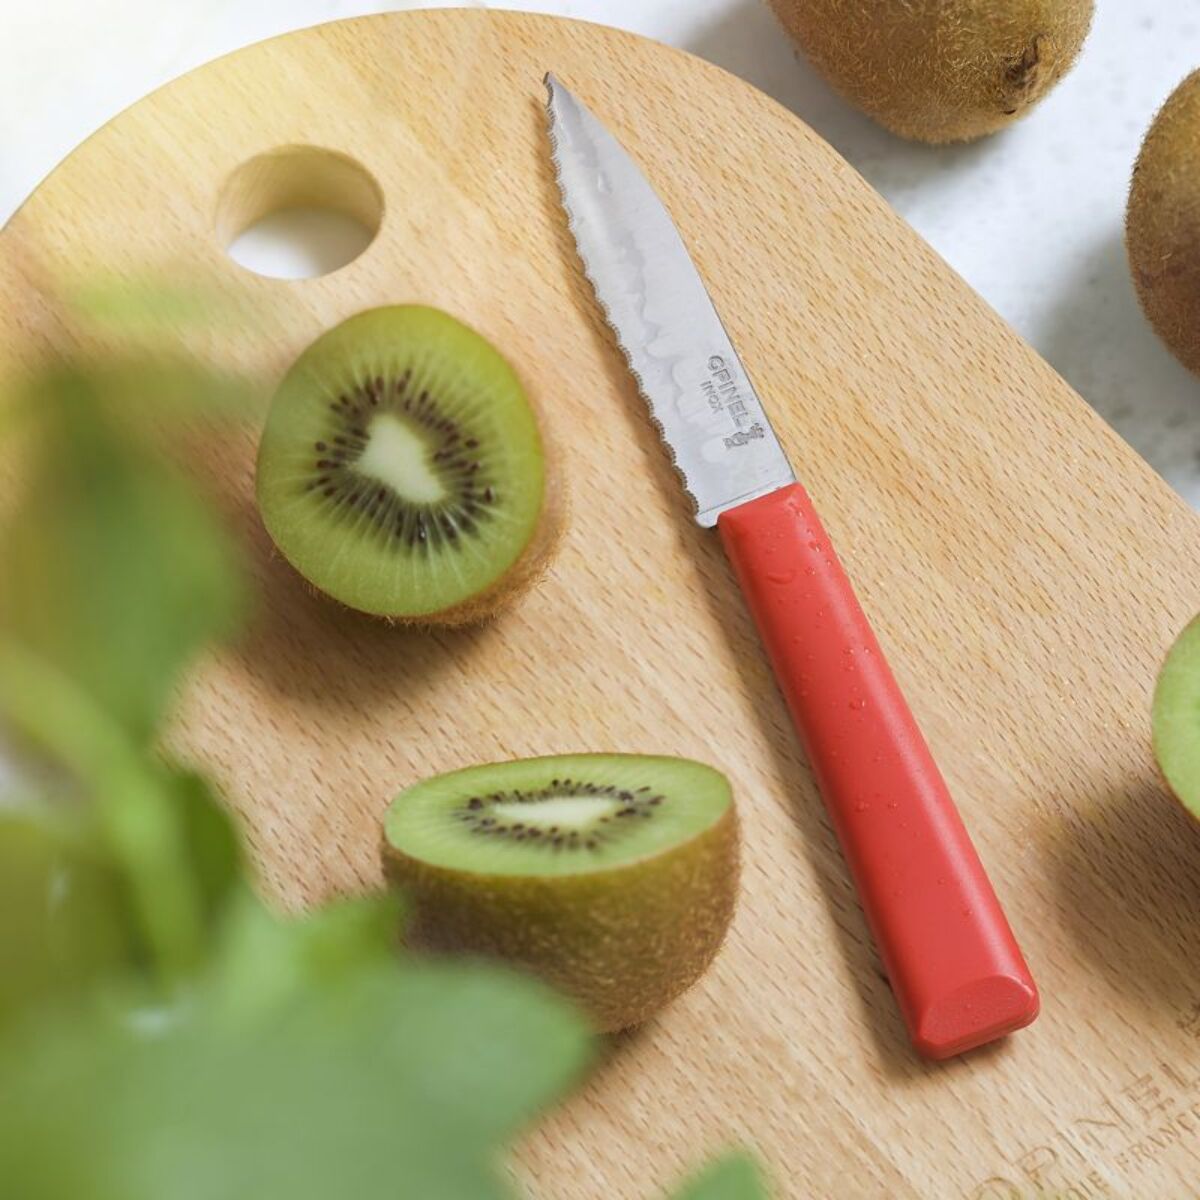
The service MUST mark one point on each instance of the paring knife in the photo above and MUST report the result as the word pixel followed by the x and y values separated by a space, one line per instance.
pixel 955 967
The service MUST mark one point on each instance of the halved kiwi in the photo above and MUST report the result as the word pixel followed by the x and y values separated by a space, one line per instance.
pixel 614 877
pixel 1176 718
pixel 402 470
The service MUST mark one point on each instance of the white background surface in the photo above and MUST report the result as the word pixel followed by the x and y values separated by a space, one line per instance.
pixel 1031 217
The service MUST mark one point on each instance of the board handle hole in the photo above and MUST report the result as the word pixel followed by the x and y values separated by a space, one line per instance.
pixel 298 212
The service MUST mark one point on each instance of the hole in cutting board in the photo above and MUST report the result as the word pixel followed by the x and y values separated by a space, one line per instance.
pixel 298 212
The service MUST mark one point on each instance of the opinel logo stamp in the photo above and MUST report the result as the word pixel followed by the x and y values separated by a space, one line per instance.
pixel 723 394
pixel 745 435
pixel 1087 1157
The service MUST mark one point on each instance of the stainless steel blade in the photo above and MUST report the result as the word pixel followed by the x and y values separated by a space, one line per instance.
pixel 699 393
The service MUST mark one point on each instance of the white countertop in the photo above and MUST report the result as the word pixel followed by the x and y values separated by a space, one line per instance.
pixel 1032 217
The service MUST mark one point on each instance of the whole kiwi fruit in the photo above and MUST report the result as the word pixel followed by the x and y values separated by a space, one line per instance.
pixel 940 70
pixel 1162 225
pixel 611 876
pixel 404 472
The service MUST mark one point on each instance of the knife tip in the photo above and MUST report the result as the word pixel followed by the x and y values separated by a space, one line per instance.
pixel 550 82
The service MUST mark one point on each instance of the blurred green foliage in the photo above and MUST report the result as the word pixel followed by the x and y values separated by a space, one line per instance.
pixel 163 1034
pixel 352 1077
pixel 733 1178
pixel 115 572
pixel 64 922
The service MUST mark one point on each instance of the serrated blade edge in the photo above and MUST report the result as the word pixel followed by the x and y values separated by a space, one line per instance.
pixel 698 392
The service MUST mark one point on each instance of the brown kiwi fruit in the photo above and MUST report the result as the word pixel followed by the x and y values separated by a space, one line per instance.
pixel 1162 226
pixel 403 470
pixel 613 877
pixel 940 70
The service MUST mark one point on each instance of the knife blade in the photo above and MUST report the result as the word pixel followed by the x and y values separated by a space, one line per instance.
pixel 957 972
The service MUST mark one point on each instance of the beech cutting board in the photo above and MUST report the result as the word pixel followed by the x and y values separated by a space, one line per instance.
pixel 1024 569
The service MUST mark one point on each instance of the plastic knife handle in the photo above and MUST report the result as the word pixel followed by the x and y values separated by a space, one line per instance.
pixel 955 967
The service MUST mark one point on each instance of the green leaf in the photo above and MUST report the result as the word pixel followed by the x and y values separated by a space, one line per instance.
pixel 176 852
pixel 452 1056
pixel 65 920
pixel 265 960
pixel 154 304
pixel 114 569
pixel 116 576
pixel 212 844
pixel 387 1082
pixel 735 1177
pixel 484 1049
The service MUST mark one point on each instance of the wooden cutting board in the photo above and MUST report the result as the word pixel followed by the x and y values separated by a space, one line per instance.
pixel 1025 570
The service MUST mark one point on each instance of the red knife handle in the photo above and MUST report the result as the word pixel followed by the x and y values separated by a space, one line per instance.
pixel 955 967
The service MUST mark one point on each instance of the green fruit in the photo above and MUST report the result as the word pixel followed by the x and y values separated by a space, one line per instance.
pixel 1162 227
pixel 1176 718
pixel 940 70
pixel 614 877
pixel 402 470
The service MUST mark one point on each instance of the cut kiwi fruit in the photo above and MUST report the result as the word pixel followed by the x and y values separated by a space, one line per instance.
pixel 613 877
pixel 402 470
pixel 1176 719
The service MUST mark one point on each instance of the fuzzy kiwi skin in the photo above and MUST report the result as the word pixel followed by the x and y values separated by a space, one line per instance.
pixel 940 70
pixel 1162 224
pixel 623 941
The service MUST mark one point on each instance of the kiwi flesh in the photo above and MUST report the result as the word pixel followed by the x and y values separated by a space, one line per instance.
pixel 403 472
pixel 1162 226
pixel 940 70
pixel 1175 718
pixel 613 877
